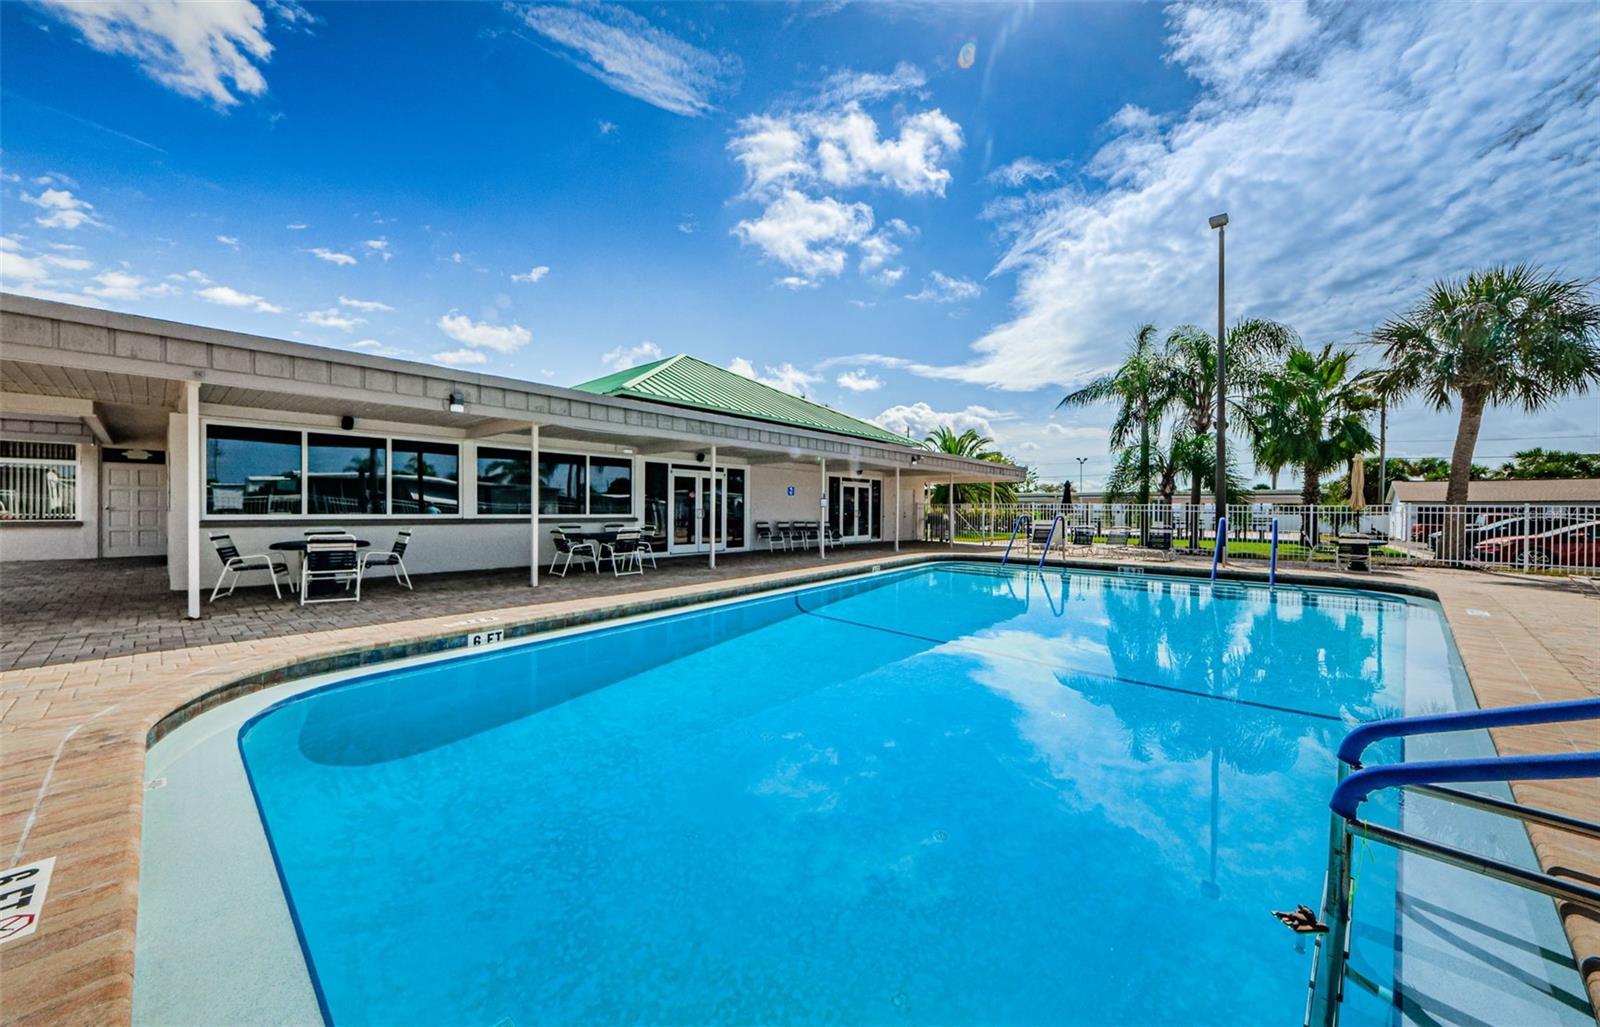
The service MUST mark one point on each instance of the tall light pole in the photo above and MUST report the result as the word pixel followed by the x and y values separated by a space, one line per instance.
pixel 1220 478
pixel 1081 461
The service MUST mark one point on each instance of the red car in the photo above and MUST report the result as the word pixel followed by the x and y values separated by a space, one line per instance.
pixel 1575 546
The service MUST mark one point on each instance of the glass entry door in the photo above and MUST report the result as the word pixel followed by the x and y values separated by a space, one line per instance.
pixel 855 510
pixel 694 503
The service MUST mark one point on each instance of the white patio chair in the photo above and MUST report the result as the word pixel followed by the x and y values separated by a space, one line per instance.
pixel 236 563
pixel 395 558
pixel 625 552
pixel 568 549
pixel 331 559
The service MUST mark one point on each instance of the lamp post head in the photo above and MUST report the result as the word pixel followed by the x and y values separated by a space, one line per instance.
pixel 1218 220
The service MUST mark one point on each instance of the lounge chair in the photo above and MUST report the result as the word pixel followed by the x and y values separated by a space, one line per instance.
pixel 1117 540
pixel 1039 535
pixel 569 549
pixel 335 560
pixel 1081 537
pixel 235 563
pixel 394 557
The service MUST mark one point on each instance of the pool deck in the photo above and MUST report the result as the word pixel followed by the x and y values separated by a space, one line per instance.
pixel 94 678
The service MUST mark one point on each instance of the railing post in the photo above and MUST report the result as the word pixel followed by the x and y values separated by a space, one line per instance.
pixel 1272 558
pixel 1527 534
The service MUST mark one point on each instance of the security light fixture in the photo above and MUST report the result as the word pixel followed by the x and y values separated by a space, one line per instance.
pixel 1218 220
pixel 458 403
pixel 916 459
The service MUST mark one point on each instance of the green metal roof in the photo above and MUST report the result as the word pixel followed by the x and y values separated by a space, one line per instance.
pixel 686 382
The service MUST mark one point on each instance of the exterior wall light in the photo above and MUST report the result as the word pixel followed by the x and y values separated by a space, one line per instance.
pixel 458 403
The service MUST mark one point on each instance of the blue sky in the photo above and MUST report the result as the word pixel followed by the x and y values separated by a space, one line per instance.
pixel 835 198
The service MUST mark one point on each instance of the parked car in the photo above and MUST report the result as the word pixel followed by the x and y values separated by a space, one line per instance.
pixel 1487 526
pixel 1576 545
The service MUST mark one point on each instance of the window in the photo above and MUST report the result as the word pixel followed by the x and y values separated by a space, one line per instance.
pixel 427 478
pixel 735 508
pixel 503 481
pixel 561 484
pixel 252 470
pixel 345 475
pixel 610 486
pixel 38 481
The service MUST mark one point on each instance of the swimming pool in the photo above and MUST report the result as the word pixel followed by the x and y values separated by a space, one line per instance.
pixel 955 794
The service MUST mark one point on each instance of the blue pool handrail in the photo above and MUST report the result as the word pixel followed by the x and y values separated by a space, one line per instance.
pixel 1021 520
pixel 1222 543
pixel 1363 735
pixel 1428 777
pixel 1272 557
pixel 1061 519
pixel 1351 792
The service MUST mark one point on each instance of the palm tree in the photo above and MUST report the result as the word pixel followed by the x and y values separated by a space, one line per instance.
pixel 975 446
pixel 1191 384
pixel 1138 387
pixel 1311 414
pixel 1503 336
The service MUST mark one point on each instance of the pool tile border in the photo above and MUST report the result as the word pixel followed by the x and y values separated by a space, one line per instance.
pixel 73 737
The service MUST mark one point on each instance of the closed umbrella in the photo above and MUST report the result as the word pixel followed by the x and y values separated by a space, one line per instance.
pixel 1358 484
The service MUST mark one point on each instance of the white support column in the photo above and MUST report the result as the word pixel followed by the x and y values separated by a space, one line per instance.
pixel 822 509
pixel 533 505
pixel 717 506
pixel 988 530
pixel 195 461
pixel 952 510
pixel 897 509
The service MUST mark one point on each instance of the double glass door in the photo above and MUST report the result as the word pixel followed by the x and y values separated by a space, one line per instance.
pixel 698 505
pixel 855 510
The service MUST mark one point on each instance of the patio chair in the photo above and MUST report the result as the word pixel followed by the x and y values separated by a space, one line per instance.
pixel 569 549
pixel 1118 540
pixel 625 552
pixel 235 563
pixel 395 558
pixel 335 560
pixel 1159 542
pixel 764 534
pixel 810 532
pixel 324 532
pixel 783 533
pixel 834 538
pixel 1082 537
pixel 1039 535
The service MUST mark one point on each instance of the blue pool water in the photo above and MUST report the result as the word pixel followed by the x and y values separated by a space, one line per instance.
pixel 956 794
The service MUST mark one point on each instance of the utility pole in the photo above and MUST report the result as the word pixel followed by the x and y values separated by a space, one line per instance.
pixel 1081 461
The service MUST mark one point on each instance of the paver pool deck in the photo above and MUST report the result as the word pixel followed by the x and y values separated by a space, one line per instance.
pixel 77 715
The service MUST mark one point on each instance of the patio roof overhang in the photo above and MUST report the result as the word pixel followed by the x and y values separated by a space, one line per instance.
pixel 107 367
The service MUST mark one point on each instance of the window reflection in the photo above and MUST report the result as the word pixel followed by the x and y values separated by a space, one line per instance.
pixel 610 486
pixel 252 470
pixel 561 488
pixel 346 475
pixel 427 478
pixel 503 481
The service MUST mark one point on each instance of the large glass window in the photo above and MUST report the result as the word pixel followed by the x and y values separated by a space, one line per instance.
pixel 561 484
pixel 252 470
pixel 610 486
pixel 503 481
pixel 38 481
pixel 427 477
pixel 735 508
pixel 657 486
pixel 345 474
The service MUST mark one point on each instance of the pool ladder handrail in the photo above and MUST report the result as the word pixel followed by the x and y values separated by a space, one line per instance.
pixel 1060 519
pixel 1021 520
pixel 1357 782
pixel 1221 546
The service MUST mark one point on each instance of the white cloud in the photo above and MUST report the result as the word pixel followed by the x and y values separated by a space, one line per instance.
pixel 460 357
pixel 796 282
pixel 67 263
pixel 785 377
pixel 483 335
pixel 332 256
pixel 229 240
pixel 920 419
pixel 859 381
pixel 1024 170
pixel 624 357
pixel 63 209
pixel 14 267
pixel 376 348
pixel 9 244
pixel 806 235
pixel 1360 158
pixel 371 306
pixel 297 226
pixel 208 50
pixel 227 296
pixel 630 55
pixel 842 148
pixel 689 227
pixel 121 285
pixel 943 288
pixel 378 247
pixel 607 127
pixel 879 248
pixel 844 87
pixel 533 275
pixel 333 318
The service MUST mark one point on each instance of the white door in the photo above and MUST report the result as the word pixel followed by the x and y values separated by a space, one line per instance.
pixel 693 507
pixel 855 511
pixel 134 520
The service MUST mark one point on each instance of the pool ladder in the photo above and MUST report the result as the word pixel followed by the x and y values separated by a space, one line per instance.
pixel 1356 783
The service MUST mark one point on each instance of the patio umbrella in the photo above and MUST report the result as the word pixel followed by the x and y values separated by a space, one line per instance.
pixel 1358 484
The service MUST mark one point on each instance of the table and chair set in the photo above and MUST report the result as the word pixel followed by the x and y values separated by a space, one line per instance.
pixel 330 564
pixel 620 543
